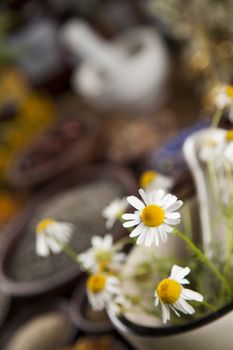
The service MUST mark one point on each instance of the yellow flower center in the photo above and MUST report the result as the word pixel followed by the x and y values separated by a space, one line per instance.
pixel 229 91
pixel 169 291
pixel 229 135
pixel 43 224
pixel 147 177
pixel 153 215
pixel 96 283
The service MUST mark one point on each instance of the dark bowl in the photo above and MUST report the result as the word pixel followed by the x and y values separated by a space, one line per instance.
pixel 82 151
pixel 17 229
pixel 86 319
pixel 5 309
pixel 34 310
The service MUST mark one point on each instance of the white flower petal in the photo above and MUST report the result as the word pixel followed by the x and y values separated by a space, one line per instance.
pixel 96 241
pixel 156 237
pixel 189 294
pixel 174 271
pixel 135 202
pixel 137 231
pixel 149 238
pixel 42 248
pixel 174 206
pixel 144 196
pixel 182 273
pixel 156 301
pixel 166 228
pixel 174 215
pixel 109 223
pixel 189 309
pixel 156 197
pixel 107 242
pixel 162 234
pixel 178 272
pixel 168 200
pixel 184 281
pixel 131 223
pixel 141 238
pixel 55 247
pixel 165 312
pixel 129 216
pixel 172 221
pixel 176 312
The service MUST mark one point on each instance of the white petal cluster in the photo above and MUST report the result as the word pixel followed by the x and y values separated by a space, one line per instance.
pixel 212 149
pixel 100 300
pixel 114 210
pixel 150 181
pixel 161 181
pixel 52 236
pixel 166 206
pixel 222 97
pixel 180 304
pixel 119 304
pixel 102 251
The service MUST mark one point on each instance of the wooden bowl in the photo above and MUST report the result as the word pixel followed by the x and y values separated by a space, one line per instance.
pixel 16 231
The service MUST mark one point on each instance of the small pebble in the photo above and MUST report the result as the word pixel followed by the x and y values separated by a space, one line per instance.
pixel 45 332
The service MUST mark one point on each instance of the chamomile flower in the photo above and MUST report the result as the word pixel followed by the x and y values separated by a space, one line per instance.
pixel 51 235
pixel 228 152
pixel 114 211
pixel 101 289
pixel 119 304
pixel 102 255
pixel 211 148
pixel 151 180
pixel 222 96
pixel 153 216
pixel 172 295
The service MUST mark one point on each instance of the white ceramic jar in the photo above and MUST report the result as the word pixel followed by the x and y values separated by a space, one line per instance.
pixel 210 333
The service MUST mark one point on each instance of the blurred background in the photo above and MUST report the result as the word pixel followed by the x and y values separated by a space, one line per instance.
pixel 92 94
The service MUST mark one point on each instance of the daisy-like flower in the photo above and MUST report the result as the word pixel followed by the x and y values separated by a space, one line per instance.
pixel 172 295
pixel 211 149
pixel 119 304
pixel 102 256
pixel 51 235
pixel 228 152
pixel 151 180
pixel 222 97
pixel 153 216
pixel 114 211
pixel 101 289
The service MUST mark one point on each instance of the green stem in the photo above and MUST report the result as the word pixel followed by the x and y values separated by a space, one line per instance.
pixel 228 219
pixel 227 268
pixel 66 249
pixel 70 253
pixel 216 118
pixel 122 242
pixel 229 174
pixel 187 220
pixel 209 306
pixel 201 256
